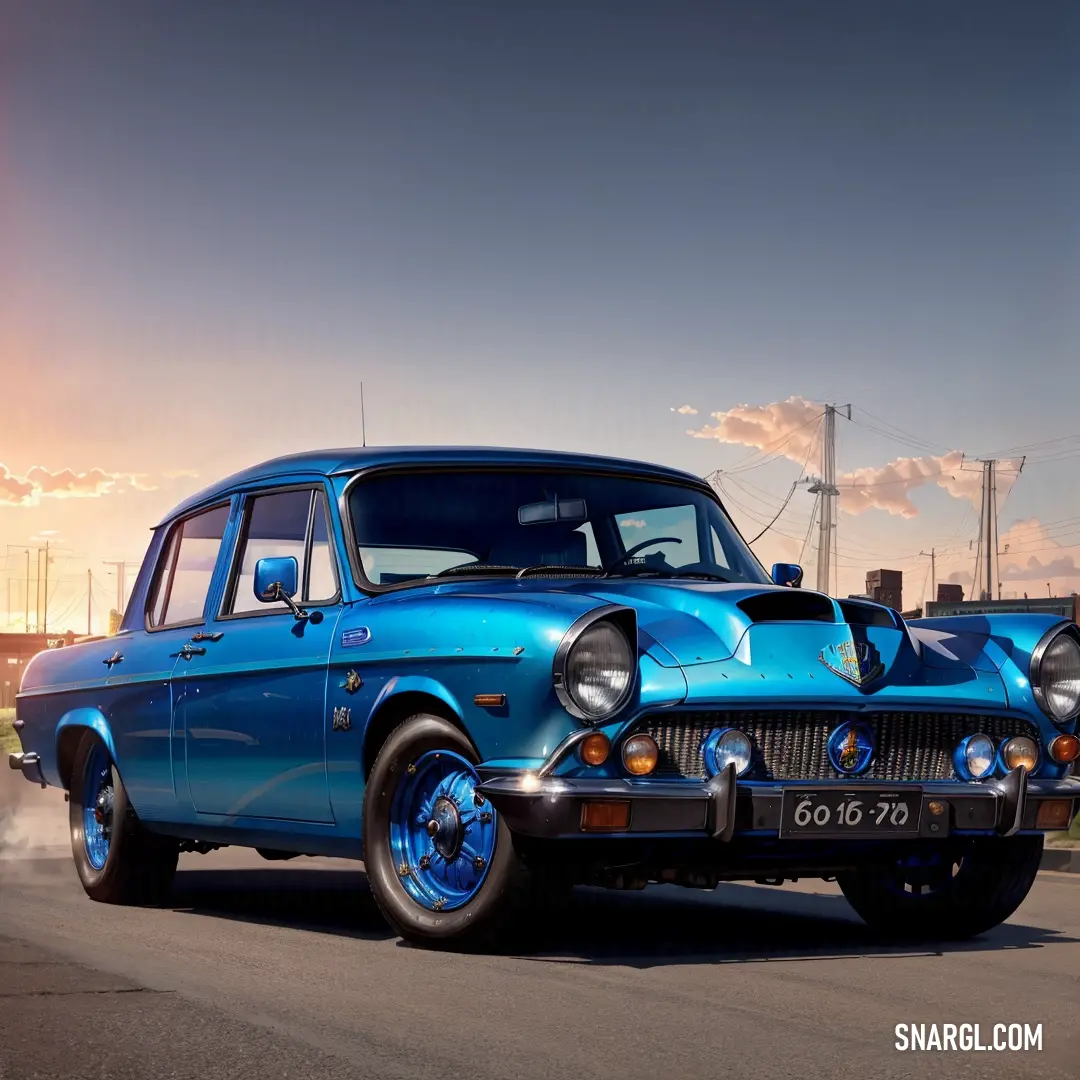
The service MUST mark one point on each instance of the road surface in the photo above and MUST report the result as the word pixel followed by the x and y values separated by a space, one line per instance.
pixel 287 970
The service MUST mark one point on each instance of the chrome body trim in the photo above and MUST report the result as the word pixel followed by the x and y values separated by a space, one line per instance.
pixel 571 638
pixel 1037 655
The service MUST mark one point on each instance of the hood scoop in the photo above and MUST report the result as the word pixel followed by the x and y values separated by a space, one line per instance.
pixel 788 605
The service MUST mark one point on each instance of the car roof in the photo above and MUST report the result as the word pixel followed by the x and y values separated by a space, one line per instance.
pixel 349 460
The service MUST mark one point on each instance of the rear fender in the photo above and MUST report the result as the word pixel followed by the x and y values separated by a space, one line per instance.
pixel 69 732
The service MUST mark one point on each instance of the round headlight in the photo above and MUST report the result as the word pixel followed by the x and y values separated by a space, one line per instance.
pixel 975 756
pixel 1020 751
pixel 724 747
pixel 599 672
pixel 1056 681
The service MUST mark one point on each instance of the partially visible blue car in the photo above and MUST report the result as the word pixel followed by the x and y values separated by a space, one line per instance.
pixel 499 673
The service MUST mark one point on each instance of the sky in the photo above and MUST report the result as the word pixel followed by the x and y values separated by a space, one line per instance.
pixel 662 231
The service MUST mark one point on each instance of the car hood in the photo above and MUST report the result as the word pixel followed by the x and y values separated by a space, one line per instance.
pixel 728 638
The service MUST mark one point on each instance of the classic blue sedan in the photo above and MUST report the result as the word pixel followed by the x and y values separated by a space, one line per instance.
pixel 495 674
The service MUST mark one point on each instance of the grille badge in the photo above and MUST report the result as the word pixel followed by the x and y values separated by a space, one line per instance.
pixel 851 748
pixel 856 661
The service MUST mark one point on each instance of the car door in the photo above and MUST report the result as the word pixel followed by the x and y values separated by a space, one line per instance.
pixel 250 694
pixel 140 660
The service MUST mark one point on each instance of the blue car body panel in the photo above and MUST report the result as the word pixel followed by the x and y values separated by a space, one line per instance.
pixel 262 736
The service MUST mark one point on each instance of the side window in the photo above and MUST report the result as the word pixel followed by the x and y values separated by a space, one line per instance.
pixel 321 579
pixel 277 526
pixel 680 522
pixel 592 554
pixel 187 567
pixel 720 556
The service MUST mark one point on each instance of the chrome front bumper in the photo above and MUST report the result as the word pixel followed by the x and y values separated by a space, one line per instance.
pixel 29 765
pixel 551 807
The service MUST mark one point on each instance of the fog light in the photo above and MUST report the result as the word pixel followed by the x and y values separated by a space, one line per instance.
pixel 935 807
pixel 1065 748
pixel 727 747
pixel 605 816
pixel 1020 751
pixel 1054 814
pixel 974 757
pixel 640 754
pixel 595 748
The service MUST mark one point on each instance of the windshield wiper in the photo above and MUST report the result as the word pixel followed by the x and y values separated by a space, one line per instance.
pixel 652 571
pixel 475 568
pixel 555 568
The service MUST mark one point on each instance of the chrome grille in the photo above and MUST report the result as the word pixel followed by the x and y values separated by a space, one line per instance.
pixel 790 745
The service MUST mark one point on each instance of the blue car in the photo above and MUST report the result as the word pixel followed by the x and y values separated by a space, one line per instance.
pixel 494 674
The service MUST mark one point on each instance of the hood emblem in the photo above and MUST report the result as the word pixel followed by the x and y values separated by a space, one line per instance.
pixel 856 661
pixel 851 748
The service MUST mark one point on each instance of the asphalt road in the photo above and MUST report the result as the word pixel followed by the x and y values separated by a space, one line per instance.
pixel 287 970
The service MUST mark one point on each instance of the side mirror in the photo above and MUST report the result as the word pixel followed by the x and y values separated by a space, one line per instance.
pixel 276 578
pixel 788 574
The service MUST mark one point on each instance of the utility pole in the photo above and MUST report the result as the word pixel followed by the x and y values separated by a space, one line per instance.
pixel 45 619
pixel 26 616
pixel 119 564
pixel 827 491
pixel 89 598
pixel 933 572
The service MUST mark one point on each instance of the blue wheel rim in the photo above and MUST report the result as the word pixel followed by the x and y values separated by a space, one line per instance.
pixel 98 795
pixel 442 833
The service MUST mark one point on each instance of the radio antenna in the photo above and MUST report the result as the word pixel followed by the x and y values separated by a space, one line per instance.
pixel 363 424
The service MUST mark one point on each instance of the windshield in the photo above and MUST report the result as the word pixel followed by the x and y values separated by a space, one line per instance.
pixel 410 526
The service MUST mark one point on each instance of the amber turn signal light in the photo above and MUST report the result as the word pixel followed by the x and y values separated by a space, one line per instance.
pixel 595 748
pixel 1065 748
pixel 605 816
pixel 1054 814
pixel 640 754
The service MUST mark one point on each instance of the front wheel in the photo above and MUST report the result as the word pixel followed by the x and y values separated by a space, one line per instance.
pixel 947 892
pixel 118 860
pixel 440 861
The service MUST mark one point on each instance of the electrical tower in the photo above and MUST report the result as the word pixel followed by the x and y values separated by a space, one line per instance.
pixel 824 487
pixel 987 569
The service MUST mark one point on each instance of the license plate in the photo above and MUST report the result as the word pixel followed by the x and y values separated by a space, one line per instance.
pixel 842 813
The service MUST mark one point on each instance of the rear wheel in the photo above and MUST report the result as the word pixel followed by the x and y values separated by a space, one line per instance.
pixel 440 861
pixel 118 860
pixel 952 891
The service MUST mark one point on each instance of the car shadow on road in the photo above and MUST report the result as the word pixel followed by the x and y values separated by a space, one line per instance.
pixel 658 927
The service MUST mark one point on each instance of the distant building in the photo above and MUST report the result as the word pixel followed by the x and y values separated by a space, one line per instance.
pixel 886 587
pixel 948 593
pixel 15 653
pixel 1066 607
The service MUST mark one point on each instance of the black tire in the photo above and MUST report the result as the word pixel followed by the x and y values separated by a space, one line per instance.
pixel 139 867
pixel 478 922
pixel 986 880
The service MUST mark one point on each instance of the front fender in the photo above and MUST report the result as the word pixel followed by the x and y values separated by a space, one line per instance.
pixel 415 684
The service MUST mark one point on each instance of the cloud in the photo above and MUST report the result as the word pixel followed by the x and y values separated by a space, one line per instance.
pixel 1030 556
pixel 787 429
pixel 179 474
pixel 686 410
pixel 40 482
pixel 633 523
pixel 12 489
pixel 1030 552
pixel 782 427
pixel 888 487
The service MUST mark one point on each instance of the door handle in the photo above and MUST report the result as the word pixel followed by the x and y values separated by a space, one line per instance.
pixel 116 658
pixel 203 635
pixel 189 650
